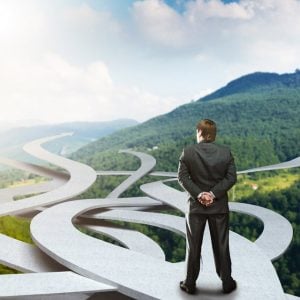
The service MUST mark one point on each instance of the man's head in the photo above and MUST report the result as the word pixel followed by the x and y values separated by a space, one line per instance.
pixel 206 130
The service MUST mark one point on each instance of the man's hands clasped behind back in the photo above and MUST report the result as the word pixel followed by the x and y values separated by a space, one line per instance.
pixel 206 199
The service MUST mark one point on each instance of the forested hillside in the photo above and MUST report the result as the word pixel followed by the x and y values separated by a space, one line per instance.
pixel 261 124
pixel 286 203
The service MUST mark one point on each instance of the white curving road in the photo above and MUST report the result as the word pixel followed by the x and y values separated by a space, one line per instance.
pixel 294 163
pixel 28 258
pixel 140 276
pixel 25 257
pixel 147 164
pixel 9 194
pixel 131 239
pixel 81 178
pixel 33 168
pixel 277 233
pixel 58 179
pixel 149 278
pixel 169 222
pixel 158 173
pixel 19 286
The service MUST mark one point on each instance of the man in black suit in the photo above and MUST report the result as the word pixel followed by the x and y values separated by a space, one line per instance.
pixel 207 171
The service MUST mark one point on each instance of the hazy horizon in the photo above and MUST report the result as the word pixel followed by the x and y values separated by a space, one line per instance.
pixel 64 61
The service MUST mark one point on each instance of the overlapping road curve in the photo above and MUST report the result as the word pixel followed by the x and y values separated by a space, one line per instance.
pixel 81 178
pixel 57 180
pixel 147 164
pixel 294 163
pixel 275 238
pixel 277 233
pixel 137 275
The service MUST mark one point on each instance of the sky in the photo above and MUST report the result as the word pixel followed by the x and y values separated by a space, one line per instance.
pixel 100 60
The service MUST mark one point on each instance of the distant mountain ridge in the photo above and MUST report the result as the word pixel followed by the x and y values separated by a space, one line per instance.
pixel 257 116
pixel 257 81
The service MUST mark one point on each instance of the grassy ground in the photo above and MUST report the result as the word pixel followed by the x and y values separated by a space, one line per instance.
pixel 263 183
pixel 25 182
pixel 11 178
pixel 17 228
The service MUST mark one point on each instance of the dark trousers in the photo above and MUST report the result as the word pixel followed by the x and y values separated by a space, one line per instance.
pixel 219 232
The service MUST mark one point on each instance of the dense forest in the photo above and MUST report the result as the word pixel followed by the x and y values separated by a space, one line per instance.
pixel 261 125
pixel 286 203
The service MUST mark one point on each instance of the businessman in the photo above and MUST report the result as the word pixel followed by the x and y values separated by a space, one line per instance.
pixel 207 171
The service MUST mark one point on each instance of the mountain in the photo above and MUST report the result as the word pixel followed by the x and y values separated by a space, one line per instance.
pixel 6 125
pixel 257 115
pixel 11 141
pixel 256 82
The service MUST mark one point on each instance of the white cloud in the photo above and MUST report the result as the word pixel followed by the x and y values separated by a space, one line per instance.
pixel 55 90
pixel 201 9
pixel 62 61
pixel 264 33
pixel 38 83
pixel 85 17
pixel 21 26
pixel 162 24
pixel 19 20
pixel 159 22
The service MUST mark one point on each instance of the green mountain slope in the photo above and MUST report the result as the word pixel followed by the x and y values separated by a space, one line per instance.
pixel 257 115
pixel 257 82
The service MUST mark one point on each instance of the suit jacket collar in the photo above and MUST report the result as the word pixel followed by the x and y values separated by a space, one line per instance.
pixel 205 142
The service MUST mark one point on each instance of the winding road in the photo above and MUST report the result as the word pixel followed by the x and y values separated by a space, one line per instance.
pixel 139 270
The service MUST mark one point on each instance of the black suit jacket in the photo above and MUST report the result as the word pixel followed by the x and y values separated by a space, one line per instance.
pixel 206 167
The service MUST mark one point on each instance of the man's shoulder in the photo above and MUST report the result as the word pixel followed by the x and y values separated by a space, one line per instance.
pixel 190 148
pixel 222 147
pixel 188 151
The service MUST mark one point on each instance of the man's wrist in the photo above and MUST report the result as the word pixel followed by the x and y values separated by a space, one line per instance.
pixel 200 195
pixel 212 195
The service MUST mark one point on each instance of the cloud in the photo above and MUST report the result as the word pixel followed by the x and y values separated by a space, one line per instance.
pixel 43 74
pixel 18 17
pixel 159 22
pixel 55 90
pixel 85 17
pixel 261 33
pixel 21 25
pixel 163 24
pixel 63 61
pixel 204 10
